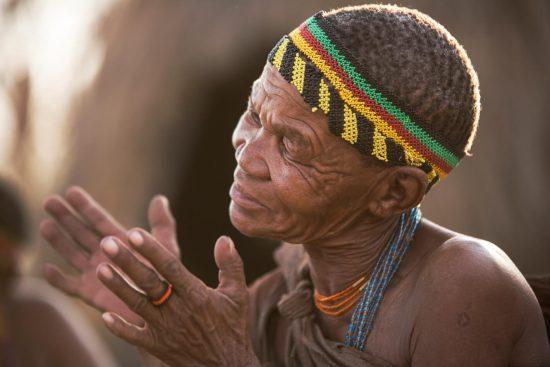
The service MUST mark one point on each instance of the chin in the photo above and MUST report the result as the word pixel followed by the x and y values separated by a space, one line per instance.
pixel 243 220
pixel 259 224
pixel 250 223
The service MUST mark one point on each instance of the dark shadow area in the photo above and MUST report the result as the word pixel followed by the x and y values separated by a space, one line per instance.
pixel 202 201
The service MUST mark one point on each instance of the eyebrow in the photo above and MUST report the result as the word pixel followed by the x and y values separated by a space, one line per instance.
pixel 249 105
pixel 292 132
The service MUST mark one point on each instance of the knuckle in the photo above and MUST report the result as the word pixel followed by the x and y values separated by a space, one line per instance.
pixel 150 281
pixel 238 263
pixel 241 295
pixel 156 339
pixel 172 267
pixel 234 269
pixel 198 296
pixel 148 341
pixel 139 304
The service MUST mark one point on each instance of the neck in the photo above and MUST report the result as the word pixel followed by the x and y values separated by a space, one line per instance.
pixel 338 262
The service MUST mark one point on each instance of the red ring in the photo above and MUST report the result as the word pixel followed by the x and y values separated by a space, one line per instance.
pixel 165 296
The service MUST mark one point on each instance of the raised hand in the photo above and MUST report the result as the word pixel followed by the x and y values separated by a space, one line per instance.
pixel 186 322
pixel 79 223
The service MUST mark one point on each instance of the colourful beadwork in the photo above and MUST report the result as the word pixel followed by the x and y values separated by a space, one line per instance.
pixel 362 113
pixel 364 314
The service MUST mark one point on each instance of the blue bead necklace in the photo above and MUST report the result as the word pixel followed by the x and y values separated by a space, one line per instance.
pixel 365 312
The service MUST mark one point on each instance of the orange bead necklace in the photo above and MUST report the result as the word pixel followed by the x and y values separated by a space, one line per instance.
pixel 341 302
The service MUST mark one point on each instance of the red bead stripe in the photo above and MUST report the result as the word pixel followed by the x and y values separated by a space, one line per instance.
pixel 394 123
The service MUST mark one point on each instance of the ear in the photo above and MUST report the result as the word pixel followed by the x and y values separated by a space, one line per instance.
pixel 400 189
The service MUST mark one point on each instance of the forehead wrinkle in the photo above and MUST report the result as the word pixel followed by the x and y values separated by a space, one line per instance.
pixel 277 91
pixel 280 95
pixel 255 91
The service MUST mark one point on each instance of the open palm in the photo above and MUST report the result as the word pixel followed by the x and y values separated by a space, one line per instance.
pixel 75 231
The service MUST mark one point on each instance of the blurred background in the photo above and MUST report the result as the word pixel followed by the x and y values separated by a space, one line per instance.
pixel 129 98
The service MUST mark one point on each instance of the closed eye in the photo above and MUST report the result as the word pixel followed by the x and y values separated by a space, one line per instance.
pixel 255 116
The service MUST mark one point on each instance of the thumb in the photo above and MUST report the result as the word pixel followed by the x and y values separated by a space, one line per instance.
pixel 231 276
pixel 163 224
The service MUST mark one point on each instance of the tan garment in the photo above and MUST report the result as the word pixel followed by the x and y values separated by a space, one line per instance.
pixel 283 327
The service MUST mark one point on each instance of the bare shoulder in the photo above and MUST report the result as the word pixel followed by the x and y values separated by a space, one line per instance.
pixel 468 266
pixel 472 293
pixel 474 264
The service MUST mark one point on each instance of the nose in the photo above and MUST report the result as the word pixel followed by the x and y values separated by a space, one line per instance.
pixel 251 152
pixel 250 160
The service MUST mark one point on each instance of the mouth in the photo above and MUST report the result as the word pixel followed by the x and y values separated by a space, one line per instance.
pixel 243 200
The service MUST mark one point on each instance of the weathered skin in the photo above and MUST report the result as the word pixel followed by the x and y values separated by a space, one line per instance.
pixel 456 300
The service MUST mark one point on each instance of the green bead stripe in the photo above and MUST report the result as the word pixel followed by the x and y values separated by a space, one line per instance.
pixel 375 95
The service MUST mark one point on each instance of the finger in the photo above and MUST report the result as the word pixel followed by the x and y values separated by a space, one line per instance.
pixel 166 263
pixel 60 280
pixel 162 223
pixel 65 247
pixel 97 217
pixel 133 334
pixel 232 281
pixel 74 227
pixel 143 276
pixel 135 300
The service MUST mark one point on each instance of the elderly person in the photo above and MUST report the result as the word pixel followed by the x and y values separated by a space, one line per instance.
pixel 357 114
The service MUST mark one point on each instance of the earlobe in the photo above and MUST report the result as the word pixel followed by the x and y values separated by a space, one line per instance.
pixel 402 188
pixel 383 200
pixel 412 184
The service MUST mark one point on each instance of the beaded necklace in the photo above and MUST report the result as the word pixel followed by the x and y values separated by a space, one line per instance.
pixel 365 312
pixel 341 302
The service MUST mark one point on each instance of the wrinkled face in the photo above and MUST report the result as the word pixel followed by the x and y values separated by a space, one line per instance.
pixel 294 181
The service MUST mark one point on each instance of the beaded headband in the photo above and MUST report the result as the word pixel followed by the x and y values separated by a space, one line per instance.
pixel 329 78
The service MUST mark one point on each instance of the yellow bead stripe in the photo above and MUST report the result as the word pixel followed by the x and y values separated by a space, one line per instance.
pixel 348 97
pixel 324 97
pixel 278 59
pixel 379 149
pixel 350 125
pixel 298 73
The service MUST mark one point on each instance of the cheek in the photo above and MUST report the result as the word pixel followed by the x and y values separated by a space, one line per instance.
pixel 297 204
pixel 306 191
pixel 302 202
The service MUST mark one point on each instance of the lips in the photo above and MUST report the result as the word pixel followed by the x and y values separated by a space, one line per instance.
pixel 240 198
pixel 240 195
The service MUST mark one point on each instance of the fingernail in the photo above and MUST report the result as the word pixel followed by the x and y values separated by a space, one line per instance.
pixel 110 247
pixel 108 318
pixel 231 245
pixel 136 238
pixel 106 272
